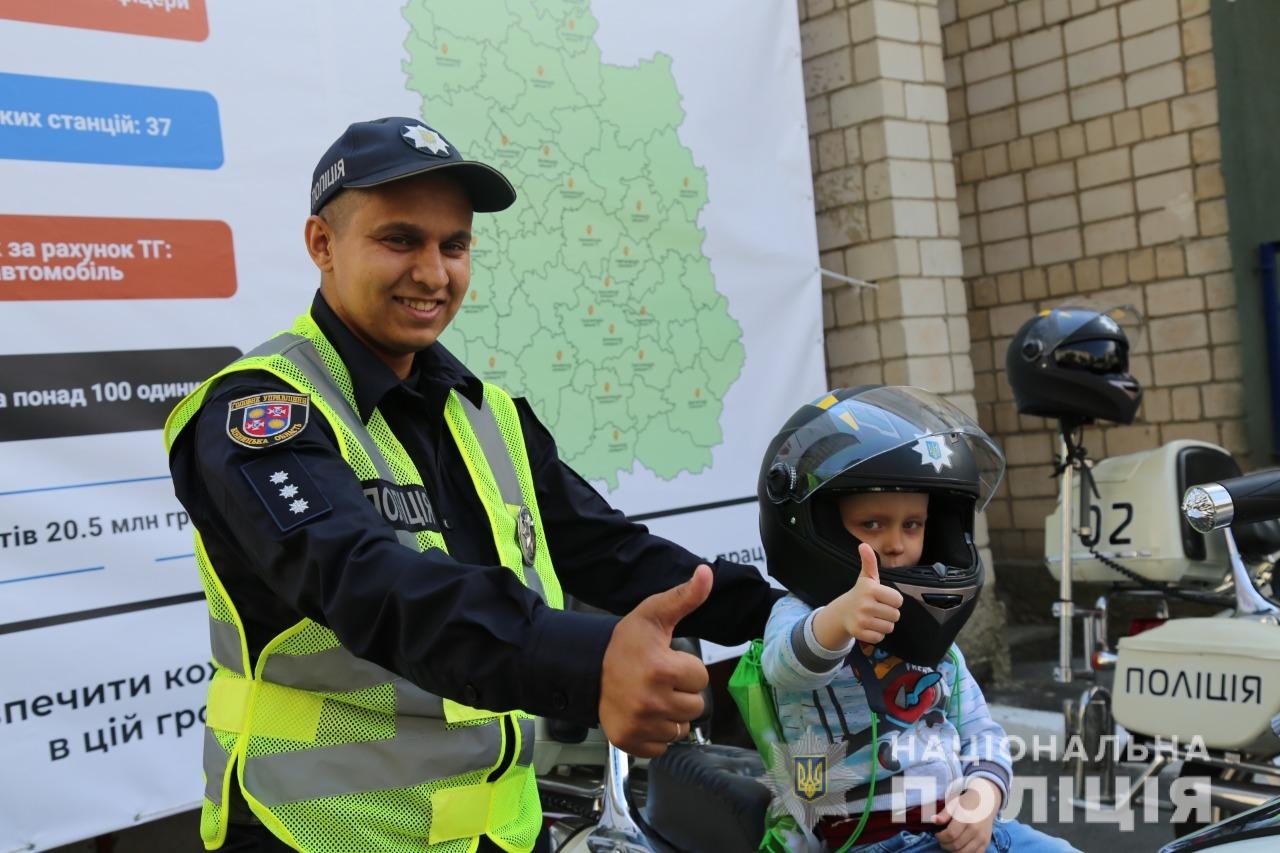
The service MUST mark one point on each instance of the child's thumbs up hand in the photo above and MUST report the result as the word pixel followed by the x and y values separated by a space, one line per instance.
pixel 865 613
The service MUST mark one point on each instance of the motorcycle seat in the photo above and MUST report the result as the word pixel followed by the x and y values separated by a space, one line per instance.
pixel 707 798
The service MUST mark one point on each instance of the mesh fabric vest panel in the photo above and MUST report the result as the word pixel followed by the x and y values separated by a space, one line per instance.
pixel 333 753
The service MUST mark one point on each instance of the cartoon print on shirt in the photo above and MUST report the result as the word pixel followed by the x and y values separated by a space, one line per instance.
pixel 902 693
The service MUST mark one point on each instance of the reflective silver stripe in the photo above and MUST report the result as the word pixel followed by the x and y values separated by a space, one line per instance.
pixel 274 346
pixel 224 641
pixel 303 355
pixel 333 670
pixel 413 701
pixel 215 767
pixel 336 670
pixel 526 742
pixel 422 751
pixel 485 427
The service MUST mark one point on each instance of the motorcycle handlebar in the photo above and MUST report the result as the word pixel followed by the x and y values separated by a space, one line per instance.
pixel 1238 500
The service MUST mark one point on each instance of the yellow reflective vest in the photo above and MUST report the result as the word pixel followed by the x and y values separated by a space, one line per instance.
pixel 336 754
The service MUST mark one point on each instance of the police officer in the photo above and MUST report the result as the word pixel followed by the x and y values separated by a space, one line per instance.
pixel 384 543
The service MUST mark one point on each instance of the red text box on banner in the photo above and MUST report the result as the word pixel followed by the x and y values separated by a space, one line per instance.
pixel 81 257
pixel 175 19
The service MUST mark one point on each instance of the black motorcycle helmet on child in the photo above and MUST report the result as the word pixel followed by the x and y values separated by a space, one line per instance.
pixel 1072 363
pixel 880 438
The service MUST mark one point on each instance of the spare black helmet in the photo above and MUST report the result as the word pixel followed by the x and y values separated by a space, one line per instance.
pixel 880 438
pixel 1072 363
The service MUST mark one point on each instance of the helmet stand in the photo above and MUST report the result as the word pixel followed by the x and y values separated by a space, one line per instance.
pixel 1088 719
pixel 1074 461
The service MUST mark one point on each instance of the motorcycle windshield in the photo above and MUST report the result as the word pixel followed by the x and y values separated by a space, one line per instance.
pixel 1064 320
pixel 877 421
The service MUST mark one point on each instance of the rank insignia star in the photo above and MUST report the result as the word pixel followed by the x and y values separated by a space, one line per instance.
pixel 286 490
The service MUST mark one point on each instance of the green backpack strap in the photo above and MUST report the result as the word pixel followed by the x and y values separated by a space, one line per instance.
pixel 754 698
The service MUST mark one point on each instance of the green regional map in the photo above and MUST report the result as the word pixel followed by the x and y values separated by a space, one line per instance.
pixel 591 295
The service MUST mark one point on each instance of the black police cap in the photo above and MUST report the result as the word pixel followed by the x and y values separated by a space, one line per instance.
pixel 371 153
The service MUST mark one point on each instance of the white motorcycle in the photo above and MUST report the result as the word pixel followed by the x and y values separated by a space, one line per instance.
pixel 1209 507
pixel 1203 691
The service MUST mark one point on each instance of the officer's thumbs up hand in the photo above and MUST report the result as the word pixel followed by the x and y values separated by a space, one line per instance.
pixel 865 613
pixel 648 691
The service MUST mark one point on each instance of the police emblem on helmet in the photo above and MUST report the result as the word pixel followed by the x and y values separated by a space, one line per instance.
pixel 880 439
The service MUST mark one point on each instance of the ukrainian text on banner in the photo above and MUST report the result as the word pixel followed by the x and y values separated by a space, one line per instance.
pixel 648 291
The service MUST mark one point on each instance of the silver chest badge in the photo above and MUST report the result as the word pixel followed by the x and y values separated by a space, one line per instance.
pixel 525 536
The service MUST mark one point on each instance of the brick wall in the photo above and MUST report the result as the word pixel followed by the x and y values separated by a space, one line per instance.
pixel 885 198
pixel 1087 159
pixel 884 192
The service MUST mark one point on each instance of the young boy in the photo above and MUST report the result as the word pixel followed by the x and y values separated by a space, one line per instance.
pixel 867 505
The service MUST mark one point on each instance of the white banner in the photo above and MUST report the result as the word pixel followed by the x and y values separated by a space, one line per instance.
pixel 654 292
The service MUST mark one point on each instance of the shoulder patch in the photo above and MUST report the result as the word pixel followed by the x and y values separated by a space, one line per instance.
pixel 265 420
pixel 286 489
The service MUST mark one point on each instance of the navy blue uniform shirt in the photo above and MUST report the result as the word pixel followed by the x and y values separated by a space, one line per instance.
pixel 293 533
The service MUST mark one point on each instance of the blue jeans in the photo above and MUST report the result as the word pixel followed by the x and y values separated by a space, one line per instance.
pixel 1006 835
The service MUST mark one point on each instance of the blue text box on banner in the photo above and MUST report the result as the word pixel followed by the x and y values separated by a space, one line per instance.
pixel 85 121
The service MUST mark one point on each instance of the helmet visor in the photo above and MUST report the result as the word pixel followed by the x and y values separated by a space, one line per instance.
pixel 876 421
pixel 1096 356
pixel 1066 319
